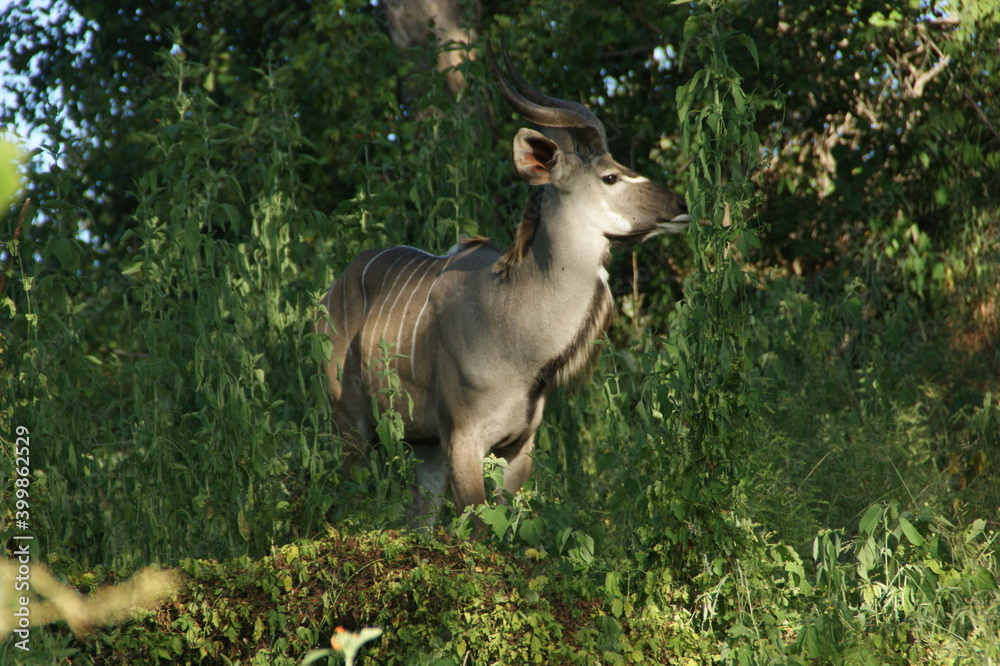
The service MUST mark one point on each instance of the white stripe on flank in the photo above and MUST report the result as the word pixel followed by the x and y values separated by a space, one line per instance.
pixel 402 313
pixel 399 292
pixel 415 249
pixel 385 294
pixel 416 324
pixel 364 292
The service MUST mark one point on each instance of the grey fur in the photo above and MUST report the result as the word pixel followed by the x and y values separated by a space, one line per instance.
pixel 479 338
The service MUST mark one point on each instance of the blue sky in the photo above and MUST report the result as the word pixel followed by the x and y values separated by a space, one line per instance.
pixel 30 142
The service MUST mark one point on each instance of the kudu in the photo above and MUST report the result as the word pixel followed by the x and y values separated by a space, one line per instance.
pixel 479 337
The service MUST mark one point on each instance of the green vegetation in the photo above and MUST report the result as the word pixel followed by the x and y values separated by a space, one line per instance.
pixel 788 453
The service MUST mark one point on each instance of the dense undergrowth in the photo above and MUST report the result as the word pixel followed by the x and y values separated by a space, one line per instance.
pixel 780 466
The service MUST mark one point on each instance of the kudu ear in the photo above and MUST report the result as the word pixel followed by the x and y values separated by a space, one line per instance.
pixel 537 158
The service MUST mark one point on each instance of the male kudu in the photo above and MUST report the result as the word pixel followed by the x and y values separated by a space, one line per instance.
pixel 479 337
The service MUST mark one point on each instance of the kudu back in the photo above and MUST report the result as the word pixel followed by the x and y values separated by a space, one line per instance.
pixel 479 338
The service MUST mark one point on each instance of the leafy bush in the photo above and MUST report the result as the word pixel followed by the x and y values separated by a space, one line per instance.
pixel 435 603
pixel 788 452
pixel 206 368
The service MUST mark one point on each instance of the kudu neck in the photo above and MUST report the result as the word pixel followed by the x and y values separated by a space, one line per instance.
pixel 557 288
pixel 564 246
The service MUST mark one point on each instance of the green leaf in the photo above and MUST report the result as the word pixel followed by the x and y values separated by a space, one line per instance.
pixel 912 535
pixel 691 28
pixel 867 555
pixel 584 552
pixel 496 517
pixel 811 646
pixel 978 525
pixel 739 629
pixel 934 566
pixel 67 253
pixel 684 97
pixel 871 518
pixel 750 46
pixel 530 531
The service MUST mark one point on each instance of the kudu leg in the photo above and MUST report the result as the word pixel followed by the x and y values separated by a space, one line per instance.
pixel 431 467
pixel 356 439
pixel 466 459
pixel 467 471
pixel 519 467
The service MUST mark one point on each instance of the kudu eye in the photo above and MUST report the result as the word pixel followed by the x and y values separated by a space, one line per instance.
pixel 610 179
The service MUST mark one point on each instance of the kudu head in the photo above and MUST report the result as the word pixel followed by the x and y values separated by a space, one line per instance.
pixel 568 152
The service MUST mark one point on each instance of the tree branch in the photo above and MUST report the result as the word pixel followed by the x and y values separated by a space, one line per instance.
pixel 979 112
pixel 628 52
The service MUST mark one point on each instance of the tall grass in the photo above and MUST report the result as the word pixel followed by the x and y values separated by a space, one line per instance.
pixel 197 425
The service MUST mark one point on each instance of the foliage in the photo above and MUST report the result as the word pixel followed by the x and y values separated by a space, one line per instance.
pixel 185 366
pixel 45 600
pixel 907 588
pixel 434 603
pixel 915 583
pixel 788 453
